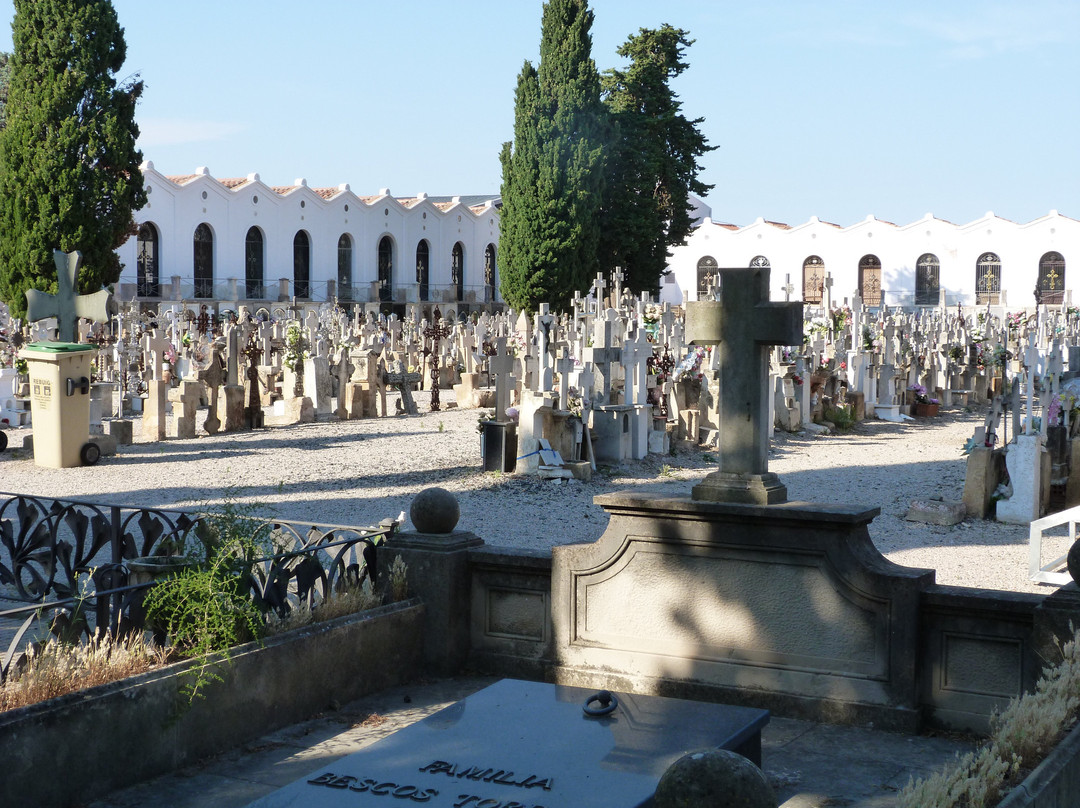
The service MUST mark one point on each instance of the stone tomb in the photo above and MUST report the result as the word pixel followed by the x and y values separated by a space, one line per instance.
pixel 522 744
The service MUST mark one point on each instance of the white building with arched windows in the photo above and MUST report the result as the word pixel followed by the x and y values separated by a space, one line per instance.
pixel 925 263
pixel 241 240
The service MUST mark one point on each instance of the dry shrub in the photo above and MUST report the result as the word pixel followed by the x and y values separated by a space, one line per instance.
pixel 399 584
pixel 1020 737
pixel 349 600
pixel 56 669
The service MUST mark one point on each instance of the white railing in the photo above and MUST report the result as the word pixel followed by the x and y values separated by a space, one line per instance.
pixel 1050 573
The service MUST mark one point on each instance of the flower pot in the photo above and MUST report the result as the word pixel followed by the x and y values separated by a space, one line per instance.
pixel 920 410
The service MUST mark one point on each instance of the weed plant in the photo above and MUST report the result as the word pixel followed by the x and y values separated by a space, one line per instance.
pixel 206 609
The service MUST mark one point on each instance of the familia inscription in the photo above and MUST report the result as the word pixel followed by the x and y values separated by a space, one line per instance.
pixel 529 745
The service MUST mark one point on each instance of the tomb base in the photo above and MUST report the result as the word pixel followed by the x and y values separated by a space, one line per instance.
pixel 749 489
pixel 722 601
pixel 888 412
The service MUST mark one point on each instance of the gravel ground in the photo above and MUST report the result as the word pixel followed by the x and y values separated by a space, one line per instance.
pixel 359 472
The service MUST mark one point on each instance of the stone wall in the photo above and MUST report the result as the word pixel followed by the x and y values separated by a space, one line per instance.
pixel 788 607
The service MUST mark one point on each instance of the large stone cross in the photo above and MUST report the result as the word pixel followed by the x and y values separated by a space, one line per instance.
pixel 66 305
pixel 501 366
pixel 742 324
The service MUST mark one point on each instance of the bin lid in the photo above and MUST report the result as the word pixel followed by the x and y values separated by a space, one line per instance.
pixel 57 347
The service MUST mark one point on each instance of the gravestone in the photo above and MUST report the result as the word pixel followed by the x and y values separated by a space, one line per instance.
pixel 529 745
pixel 742 323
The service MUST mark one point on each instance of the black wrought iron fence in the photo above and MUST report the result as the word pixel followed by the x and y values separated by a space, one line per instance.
pixel 61 556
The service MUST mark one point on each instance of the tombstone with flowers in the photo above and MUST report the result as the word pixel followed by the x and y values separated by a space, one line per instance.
pixel 923 405
pixel 687 377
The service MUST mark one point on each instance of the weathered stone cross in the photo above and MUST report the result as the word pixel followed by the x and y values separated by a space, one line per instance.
pixel 67 306
pixel 742 324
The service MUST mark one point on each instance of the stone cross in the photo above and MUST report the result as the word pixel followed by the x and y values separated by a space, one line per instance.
pixel 155 345
pixel 564 364
pixel 604 354
pixel 826 295
pixel 66 305
pixel 213 376
pixel 500 366
pixel 617 277
pixel 635 356
pixel 743 323
pixel 544 319
pixel 599 285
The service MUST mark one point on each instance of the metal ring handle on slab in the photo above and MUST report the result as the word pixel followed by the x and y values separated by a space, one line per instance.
pixel 607 701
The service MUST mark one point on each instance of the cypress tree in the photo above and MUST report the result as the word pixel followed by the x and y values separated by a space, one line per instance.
pixel 553 170
pixel 69 169
pixel 652 159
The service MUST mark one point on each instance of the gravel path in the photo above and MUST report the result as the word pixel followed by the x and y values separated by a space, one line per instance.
pixel 359 472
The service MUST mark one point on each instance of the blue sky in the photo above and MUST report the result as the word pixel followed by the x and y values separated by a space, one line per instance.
pixel 838 109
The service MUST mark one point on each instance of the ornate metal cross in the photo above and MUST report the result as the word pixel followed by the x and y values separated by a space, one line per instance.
pixel 67 306
pixel 438 330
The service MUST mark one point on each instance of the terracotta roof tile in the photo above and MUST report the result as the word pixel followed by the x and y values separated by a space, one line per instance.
pixel 367 200
pixel 233 182
pixel 181 179
pixel 281 190
pixel 326 193
pixel 445 206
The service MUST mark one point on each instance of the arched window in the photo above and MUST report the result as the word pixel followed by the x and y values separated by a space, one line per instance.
pixel 457 270
pixel 254 264
pixel 301 265
pixel 386 268
pixel 423 268
pixel 813 280
pixel 204 261
pixel 147 276
pixel 759 261
pixel 1051 287
pixel 927 280
pixel 344 267
pixel 988 280
pixel 706 275
pixel 490 280
pixel 870 280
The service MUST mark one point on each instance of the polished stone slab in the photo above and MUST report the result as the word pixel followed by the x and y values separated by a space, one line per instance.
pixel 528 745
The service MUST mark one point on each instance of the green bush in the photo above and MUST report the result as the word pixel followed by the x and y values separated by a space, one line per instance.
pixel 842 417
pixel 206 608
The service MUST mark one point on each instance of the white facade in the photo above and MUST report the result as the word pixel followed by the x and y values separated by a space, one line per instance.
pixel 322 229
pixel 1052 241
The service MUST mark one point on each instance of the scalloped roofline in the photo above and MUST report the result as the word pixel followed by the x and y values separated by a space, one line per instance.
pixel 1053 215
pixel 326 194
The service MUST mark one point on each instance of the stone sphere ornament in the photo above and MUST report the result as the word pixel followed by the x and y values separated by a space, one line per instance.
pixel 435 510
pixel 714 777
pixel 1074 561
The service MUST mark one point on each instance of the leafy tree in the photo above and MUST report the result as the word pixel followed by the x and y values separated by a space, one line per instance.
pixel 652 159
pixel 553 171
pixel 69 169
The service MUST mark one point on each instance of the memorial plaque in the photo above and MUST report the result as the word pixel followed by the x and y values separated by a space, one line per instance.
pixel 529 745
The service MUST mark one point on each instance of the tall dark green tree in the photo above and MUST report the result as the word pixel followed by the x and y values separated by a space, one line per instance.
pixel 5 80
pixel 69 169
pixel 553 171
pixel 652 158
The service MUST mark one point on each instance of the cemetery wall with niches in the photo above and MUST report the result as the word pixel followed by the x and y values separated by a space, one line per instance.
pixel 221 241
pixel 924 263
